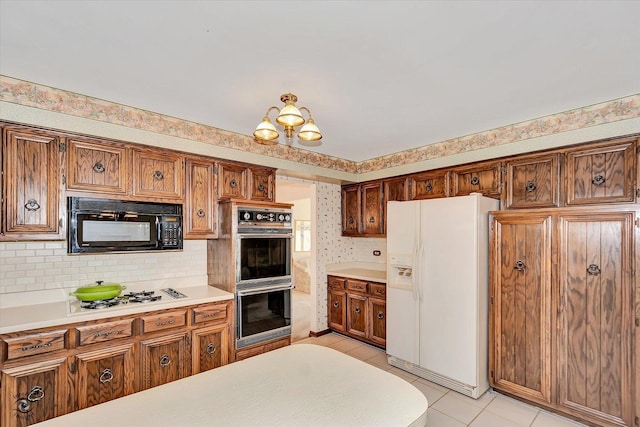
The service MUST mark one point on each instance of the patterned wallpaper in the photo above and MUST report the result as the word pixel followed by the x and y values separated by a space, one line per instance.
pixel 44 97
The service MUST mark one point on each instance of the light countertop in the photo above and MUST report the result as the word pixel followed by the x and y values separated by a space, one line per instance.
pixel 41 309
pixel 298 385
pixel 359 270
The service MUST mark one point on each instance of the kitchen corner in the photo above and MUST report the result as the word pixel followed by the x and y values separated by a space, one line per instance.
pixel 371 271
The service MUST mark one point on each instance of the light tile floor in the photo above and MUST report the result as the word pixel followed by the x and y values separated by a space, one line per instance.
pixel 448 408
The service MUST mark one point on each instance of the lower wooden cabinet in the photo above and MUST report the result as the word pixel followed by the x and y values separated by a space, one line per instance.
pixel 164 359
pixel 34 392
pixel 105 374
pixel 357 308
pixel 209 348
pixel 262 347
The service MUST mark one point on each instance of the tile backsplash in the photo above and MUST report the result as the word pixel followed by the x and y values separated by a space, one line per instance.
pixel 31 266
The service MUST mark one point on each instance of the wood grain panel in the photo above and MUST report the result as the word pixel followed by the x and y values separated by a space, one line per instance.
pixel 201 210
pixel 164 359
pixel 162 321
pixel 22 345
pixel 97 166
pixel 357 319
pixel 372 209
pixel 232 181
pixel 350 210
pixel 337 307
pixel 157 174
pixel 378 327
pixel 101 332
pixel 209 348
pixel 533 181
pixel 429 185
pixel 262 184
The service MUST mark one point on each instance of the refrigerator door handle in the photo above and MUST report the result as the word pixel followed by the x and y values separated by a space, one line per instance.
pixel 416 272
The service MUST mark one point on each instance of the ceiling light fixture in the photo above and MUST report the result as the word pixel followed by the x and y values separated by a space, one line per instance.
pixel 289 117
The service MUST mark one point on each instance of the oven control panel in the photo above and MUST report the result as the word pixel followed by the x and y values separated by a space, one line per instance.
pixel 264 217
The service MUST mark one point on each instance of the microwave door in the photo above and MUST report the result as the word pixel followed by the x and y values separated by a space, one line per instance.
pixel 124 231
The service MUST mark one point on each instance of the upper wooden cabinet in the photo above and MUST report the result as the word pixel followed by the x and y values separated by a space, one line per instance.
pixel 33 208
pixel 533 182
pixel 372 209
pixel 201 204
pixel 350 210
pixel 602 173
pixel 261 184
pixel 484 178
pixel 157 174
pixel 429 185
pixel 232 181
pixel 396 189
pixel 97 166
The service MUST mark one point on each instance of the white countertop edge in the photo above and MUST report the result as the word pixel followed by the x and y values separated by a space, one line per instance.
pixel 379 266
pixel 368 271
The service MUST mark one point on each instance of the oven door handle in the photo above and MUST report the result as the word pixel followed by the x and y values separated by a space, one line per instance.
pixel 263 290
pixel 265 236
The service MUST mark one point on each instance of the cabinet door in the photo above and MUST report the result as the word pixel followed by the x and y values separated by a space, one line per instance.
pixel 429 185
pixel 232 181
pixel 95 166
pixel 483 178
pixel 595 327
pixel 337 304
pixel 31 185
pixel 261 184
pixel 396 189
pixel 163 359
pixel 378 312
pixel 520 306
pixel 210 348
pixel 350 210
pixel 604 173
pixel 533 182
pixel 34 393
pixel 372 207
pixel 357 318
pixel 105 374
pixel 201 216
pixel 157 173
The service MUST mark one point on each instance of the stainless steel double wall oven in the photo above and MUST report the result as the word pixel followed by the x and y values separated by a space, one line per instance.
pixel 263 274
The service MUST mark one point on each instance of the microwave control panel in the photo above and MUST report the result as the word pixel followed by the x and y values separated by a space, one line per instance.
pixel 171 232
pixel 264 217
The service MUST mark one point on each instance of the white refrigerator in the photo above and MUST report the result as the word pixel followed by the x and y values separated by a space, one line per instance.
pixel 437 290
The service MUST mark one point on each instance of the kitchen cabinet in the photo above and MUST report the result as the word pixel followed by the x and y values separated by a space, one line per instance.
pixel 372 209
pixel 357 308
pixel 34 392
pixel 97 166
pixel 164 359
pixel 105 374
pixel 602 173
pixel 209 348
pixel 261 184
pixel 483 177
pixel 158 174
pixel 33 205
pixel 562 311
pixel 520 305
pixel 533 182
pixel 429 185
pixel 201 204
pixel 232 181
pixel 350 210
pixel 263 347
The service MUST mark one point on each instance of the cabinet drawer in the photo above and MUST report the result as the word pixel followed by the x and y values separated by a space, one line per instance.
pixel 335 282
pixel 377 290
pixel 208 314
pixel 39 343
pixel 357 285
pixel 429 185
pixel 104 332
pixel 159 322
pixel 277 344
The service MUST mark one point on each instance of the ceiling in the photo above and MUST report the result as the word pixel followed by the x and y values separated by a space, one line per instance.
pixel 378 76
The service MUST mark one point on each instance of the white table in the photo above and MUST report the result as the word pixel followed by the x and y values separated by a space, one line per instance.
pixel 298 385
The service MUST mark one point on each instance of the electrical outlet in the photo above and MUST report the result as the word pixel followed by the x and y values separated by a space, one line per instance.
pixel 376 253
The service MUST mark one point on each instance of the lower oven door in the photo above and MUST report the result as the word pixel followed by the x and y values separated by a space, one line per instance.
pixel 262 314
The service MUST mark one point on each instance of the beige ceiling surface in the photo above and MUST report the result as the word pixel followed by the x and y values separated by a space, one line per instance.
pixel 379 77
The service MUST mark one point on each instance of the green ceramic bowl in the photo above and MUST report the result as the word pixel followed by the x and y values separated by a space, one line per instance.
pixel 98 291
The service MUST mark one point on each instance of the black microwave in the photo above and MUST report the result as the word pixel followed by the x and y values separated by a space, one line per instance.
pixel 103 225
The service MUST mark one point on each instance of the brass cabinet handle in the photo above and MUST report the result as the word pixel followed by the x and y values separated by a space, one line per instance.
pixel 372 220
pixel 336 304
pixel 200 213
pixel 106 376
pixel 158 175
pixel 350 220
pixel 519 266
pixel 233 183
pixel 32 205
pixel 165 360
pixel 36 393
pixel 475 180
pixel 380 315
pixel 428 188
pixel 98 167
pixel 530 187
pixel 261 187
pixel 211 348
pixel 593 270
pixel 357 309
pixel 598 180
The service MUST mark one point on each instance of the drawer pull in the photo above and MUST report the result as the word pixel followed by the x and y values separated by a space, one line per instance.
pixel 372 219
pixel 350 220
pixel 357 309
pixel 519 266
pixel 475 180
pixel 35 347
pixel 36 393
pixel 200 213
pixel 106 376
pixel 158 175
pixel 211 348
pixel 98 167
pixel 261 187
pixel 593 270
pixel 106 334
pixel 428 188
pixel 32 205
pixel 379 291
pixel 598 180
pixel 380 315
pixel 166 322
pixel 165 360
pixel 530 187
pixel 233 183
pixel 336 304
